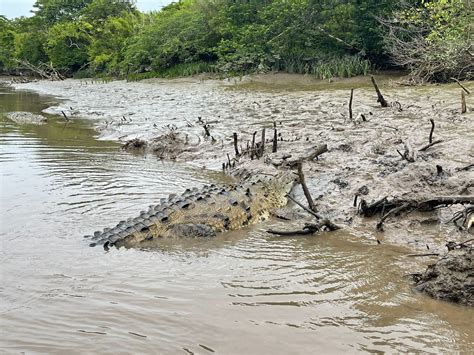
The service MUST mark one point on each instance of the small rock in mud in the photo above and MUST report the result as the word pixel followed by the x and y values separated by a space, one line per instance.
pixel 26 118
pixel 363 190
pixel 451 278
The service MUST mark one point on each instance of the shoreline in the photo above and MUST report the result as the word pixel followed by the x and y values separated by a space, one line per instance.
pixel 362 154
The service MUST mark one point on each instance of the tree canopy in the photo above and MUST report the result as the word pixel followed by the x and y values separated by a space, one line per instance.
pixel 325 38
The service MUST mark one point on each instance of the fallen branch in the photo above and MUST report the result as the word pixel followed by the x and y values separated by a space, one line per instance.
pixel 317 152
pixel 392 212
pixel 314 214
pixel 416 255
pixel 461 85
pixel 465 168
pixel 309 228
pixel 430 145
pixel 384 205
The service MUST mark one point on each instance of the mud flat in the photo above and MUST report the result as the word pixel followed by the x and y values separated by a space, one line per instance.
pixel 26 118
pixel 382 152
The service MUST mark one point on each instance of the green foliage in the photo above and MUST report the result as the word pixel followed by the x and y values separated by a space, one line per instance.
pixel 7 45
pixel 67 43
pixel 433 40
pixel 29 46
pixel 50 12
pixel 325 38
pixel 180 33
pixel 107 45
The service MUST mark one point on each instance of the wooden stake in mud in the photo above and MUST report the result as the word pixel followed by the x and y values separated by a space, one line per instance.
pixel 305 187
pixel 432 130
pixel 380 97
pixel 275 138
pixel 235 145
pixel 252 151
pixel 350 104
pixel 262 147
pixel 463 103
pixel 228 159
pixel 65 117
pixel 206 129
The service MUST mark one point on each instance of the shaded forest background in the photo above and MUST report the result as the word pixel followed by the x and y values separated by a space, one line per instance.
pixel 432 40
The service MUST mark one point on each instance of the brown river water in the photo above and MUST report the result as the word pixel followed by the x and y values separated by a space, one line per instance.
pixel 242 292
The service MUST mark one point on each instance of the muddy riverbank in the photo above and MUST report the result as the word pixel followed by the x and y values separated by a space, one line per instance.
pixel 335 292
pixel 363 153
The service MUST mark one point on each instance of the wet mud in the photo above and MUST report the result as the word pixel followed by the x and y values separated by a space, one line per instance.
pixel 26 118
pixel 378 153
pixel 451 278
pixel 364 154
pixel 339 291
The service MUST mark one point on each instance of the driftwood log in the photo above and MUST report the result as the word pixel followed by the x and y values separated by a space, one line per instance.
pixel 385 205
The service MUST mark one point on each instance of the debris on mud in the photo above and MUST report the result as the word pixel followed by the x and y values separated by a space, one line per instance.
pixel 407 152
pixel 451 278
pixel 168 146
pixel 26 118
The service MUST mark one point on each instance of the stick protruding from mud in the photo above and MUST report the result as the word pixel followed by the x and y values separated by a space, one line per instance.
pixel 350 104
pixel 275 138
pixel 237 153
pixel 252 151
pixel 262 147
pixel 380 97
pixel 305 187
pixel 432 130
pixel 206 130
pixel 463 103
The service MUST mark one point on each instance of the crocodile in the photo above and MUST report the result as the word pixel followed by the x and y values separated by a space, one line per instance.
pixel 200 213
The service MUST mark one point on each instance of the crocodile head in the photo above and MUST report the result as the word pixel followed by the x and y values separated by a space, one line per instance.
pixel 276 187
